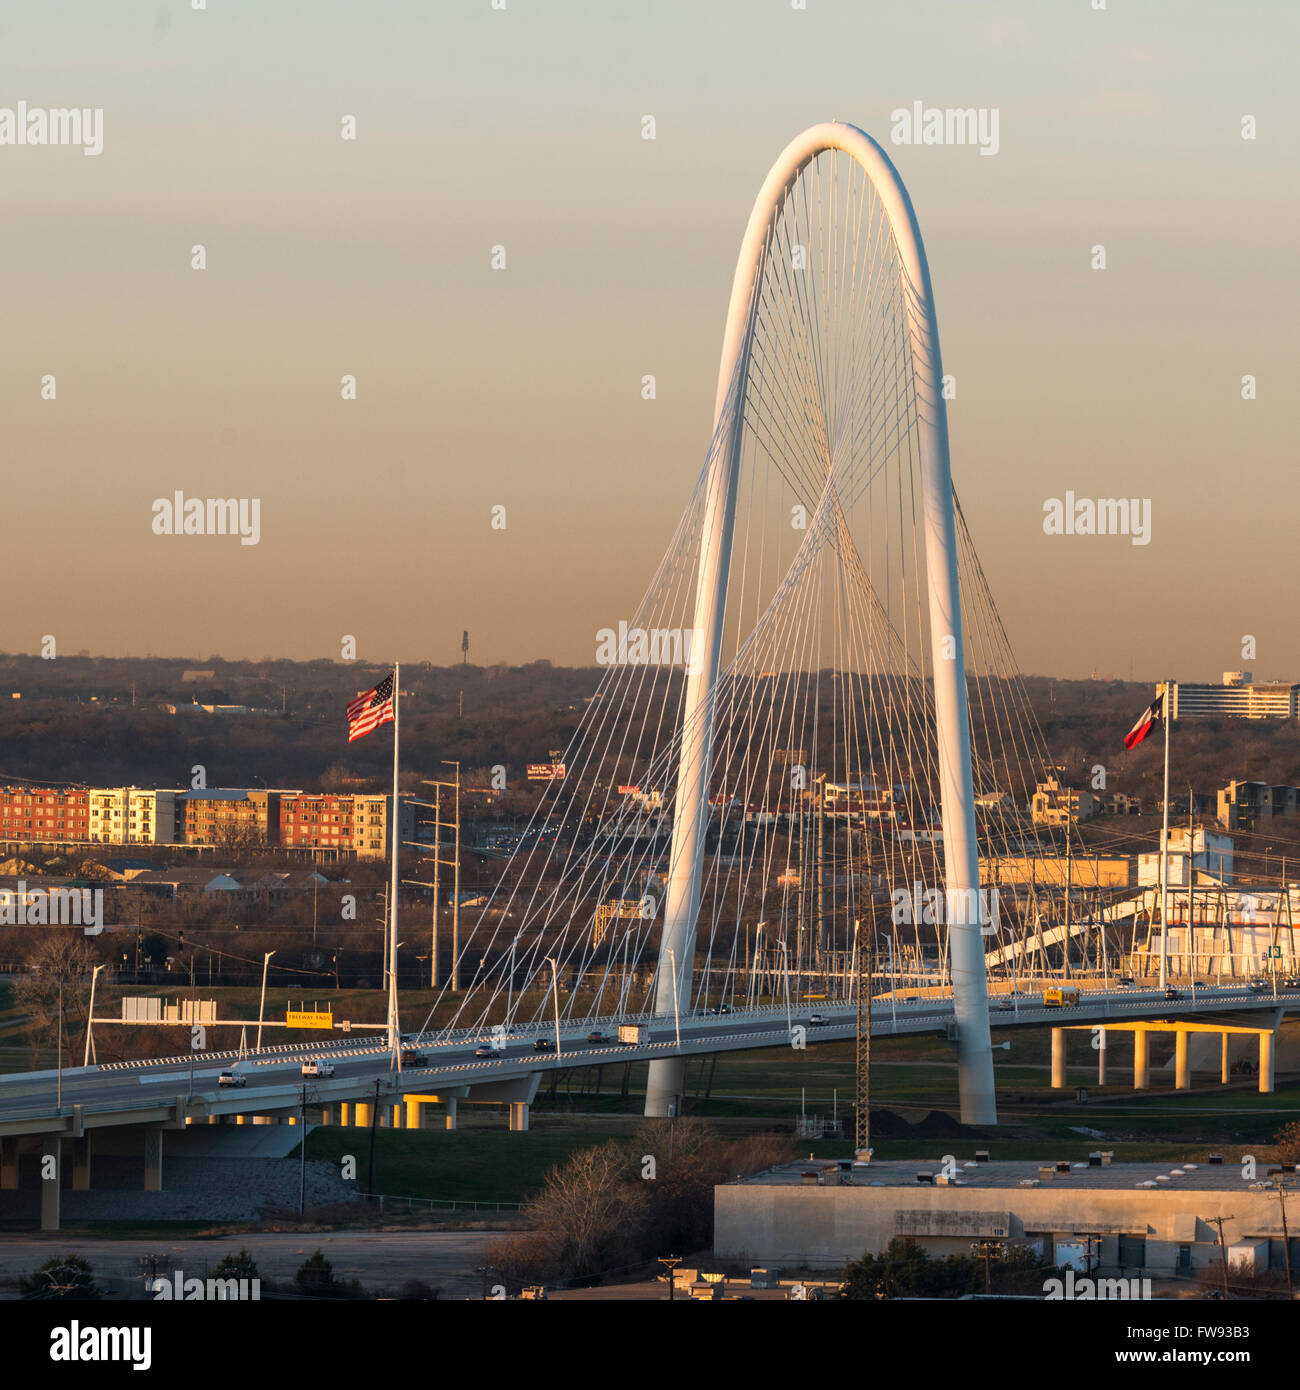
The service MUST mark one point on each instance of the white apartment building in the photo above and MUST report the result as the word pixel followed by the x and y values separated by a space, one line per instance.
pixel 1237 697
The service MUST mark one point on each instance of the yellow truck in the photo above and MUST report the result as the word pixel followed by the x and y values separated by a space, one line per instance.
pixel 1060 997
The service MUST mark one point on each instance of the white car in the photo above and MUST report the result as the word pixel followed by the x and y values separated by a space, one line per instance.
pixel 315 1067
pixel 232 1078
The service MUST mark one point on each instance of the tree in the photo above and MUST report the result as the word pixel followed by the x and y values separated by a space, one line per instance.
pixel 66 1277
pixel 315 1278
pixel 60 964
pixel 905 1270
pixel 1287 1140
pixel 240 1266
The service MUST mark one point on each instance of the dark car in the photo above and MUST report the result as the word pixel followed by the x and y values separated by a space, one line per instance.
pixel 411 1058
pixel 1291 982
pixel 596 1036
pixel 1126 979
pixel 543 1045
pixel 1173 994
pixel 485 1050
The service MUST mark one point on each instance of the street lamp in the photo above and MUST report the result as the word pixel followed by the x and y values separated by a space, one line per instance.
pixel 90 1015
pixel 261 1008
pixel 677 1018
pixel 555 993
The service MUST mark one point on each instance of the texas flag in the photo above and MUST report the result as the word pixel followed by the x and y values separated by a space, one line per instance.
pixel 1147 720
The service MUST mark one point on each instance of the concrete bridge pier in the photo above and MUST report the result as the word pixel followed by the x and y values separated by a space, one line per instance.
pixel 1224 1066
pixel 1267 1055
pixel 153 1156
pixel 8 1163
pixel 1182 1068
pixel 1141 1060
pixel 518 1116
pixel 1058 1058
pixel 664 1086
pixel 81 1164
pixel 51 1181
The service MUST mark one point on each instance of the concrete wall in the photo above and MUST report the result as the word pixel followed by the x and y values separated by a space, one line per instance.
pixel 825 1227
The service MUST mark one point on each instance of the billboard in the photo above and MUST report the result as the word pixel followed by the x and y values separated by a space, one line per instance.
pixel 546 772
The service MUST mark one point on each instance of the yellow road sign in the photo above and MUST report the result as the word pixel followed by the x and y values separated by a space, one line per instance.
pixel 298 1019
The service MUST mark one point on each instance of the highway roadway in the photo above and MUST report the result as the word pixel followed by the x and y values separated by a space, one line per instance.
pixel 118 1092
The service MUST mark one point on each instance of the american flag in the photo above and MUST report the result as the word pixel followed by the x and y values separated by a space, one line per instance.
pixel 371 709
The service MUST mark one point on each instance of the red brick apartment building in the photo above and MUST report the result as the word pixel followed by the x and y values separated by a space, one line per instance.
pixel 44 813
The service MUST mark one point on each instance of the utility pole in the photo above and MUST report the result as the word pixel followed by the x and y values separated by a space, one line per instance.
pixel 455 888
pixel 370 1167
pixel 1223 1249
pixel 437 854
pixel 455 868
pixel 986 1249
pixel 862 1120
pixel 1279 1182
pixel 1191 877
pixel 1164 849
pixel 1069 892
pixel 302 1167
pixel 670 1263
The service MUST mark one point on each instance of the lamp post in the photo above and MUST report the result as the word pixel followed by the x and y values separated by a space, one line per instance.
pixel 677 1018
pixel 90 1015
pixel 555 994
pixel 261 1008
pixel 785 956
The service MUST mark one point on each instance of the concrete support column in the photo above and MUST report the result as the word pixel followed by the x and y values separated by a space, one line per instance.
pixel 327 1115
pixel 397 1116
pixel 345 1113
pixel 1058 1058
pixel 214 1119
pixel 1141 1059
pixel 1266 1053
pixel 451 1112
pixel 8 1163
pixel 414 1114
pixel 51 1181
pixel 153 1155
pixel 1224 1067
pixel 262 1120
pixel 361 1114
pixel 1101 1057
pixel 81 1164
pixel 241 1119
pixel 518 1116
pixel 1182 1069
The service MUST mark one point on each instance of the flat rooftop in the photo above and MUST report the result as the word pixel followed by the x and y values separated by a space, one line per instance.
pixel 1011 1173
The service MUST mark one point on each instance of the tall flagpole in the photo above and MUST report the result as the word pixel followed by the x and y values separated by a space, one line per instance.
pixel 392 890
pixel 1164 850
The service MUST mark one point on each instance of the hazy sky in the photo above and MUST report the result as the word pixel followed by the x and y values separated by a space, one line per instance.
pixel 522 127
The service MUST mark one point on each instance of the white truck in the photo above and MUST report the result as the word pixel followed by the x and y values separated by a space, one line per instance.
pixel 633 1034
pixel 315 1067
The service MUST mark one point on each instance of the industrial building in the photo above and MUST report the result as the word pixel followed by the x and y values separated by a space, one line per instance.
pixel 1118 1219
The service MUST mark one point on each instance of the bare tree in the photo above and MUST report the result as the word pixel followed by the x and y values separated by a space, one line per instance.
pixel 60 964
